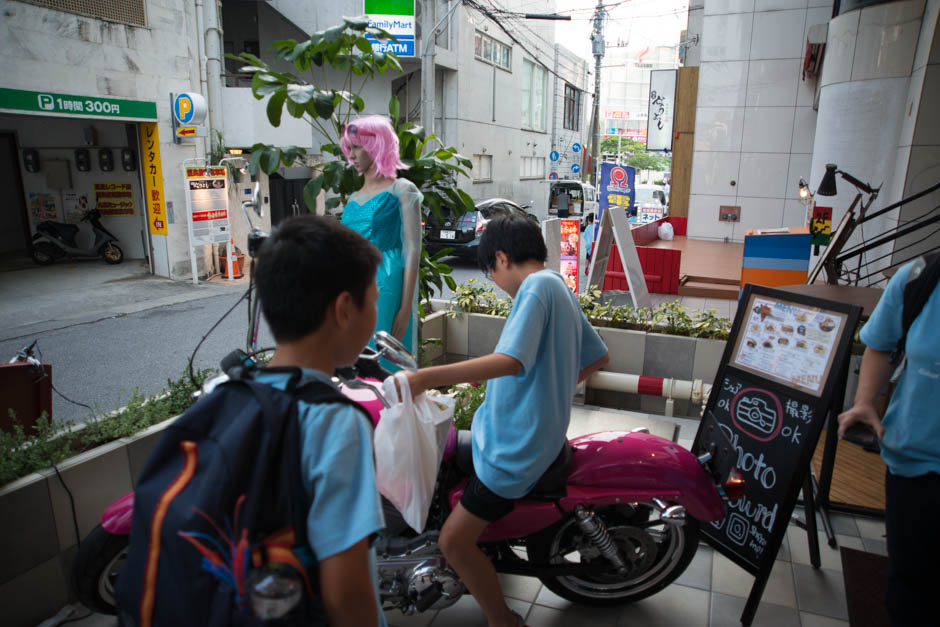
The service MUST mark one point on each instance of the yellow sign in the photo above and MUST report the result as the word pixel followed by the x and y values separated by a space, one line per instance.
pixel 114 199
pixel 186 131
pixel 153 178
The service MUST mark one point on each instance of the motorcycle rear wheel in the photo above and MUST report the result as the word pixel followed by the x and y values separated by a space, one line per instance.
pixel 96 567
pixel 44 253
pixel 112 253
pixel 656 553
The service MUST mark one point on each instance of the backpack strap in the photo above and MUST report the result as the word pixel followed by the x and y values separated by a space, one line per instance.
pixel 921 281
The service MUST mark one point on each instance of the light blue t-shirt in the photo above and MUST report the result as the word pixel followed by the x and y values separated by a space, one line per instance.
pixel 588 239
pixel 911 444
pixel 520 427
pixel 338 470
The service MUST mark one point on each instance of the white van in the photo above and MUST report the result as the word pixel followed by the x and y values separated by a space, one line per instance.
pixel 582 198
pixel 650 195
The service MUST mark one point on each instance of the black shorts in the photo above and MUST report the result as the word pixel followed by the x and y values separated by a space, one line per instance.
pixel 483 503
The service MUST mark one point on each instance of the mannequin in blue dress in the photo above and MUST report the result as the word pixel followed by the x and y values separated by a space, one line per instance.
pixel 387 212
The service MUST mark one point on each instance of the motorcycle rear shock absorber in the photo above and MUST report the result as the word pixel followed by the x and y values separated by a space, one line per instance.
pixel 595 530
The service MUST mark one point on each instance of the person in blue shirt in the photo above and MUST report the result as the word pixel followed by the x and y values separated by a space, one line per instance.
pixel 316 282
pixel 546 348
pixel 909 436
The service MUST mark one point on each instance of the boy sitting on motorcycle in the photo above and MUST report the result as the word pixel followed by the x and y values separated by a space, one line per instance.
pixel 546 348
pixel 316 282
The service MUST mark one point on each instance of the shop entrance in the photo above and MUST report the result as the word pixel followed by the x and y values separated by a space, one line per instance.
pixel 55 169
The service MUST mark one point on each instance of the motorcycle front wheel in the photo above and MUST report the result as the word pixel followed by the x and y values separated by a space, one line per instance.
pixel 112 253
pixel 655 552
pixel 96 568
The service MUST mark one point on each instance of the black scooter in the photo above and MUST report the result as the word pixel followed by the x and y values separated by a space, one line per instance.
pixel 56 240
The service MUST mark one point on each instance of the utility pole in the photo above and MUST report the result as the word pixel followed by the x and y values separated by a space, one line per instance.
pixel 597 46
pixel 427 67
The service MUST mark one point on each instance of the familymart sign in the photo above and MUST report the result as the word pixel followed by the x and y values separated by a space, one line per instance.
pixel 398 18
pixel 70 105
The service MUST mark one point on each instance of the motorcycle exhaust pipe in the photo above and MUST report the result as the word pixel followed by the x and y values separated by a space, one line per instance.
pixel 670 514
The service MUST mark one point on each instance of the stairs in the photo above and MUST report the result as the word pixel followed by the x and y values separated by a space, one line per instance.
pixel 708 287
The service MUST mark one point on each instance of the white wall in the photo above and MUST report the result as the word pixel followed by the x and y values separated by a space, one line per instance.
pixel 865 101
pixel 755 124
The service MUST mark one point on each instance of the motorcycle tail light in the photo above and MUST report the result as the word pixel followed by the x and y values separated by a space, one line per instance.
pixel 735 486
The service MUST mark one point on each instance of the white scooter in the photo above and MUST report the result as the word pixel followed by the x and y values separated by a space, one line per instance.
pixel 56 240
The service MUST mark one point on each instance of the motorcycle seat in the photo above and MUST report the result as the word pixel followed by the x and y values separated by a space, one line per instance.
pixel 549 487
pixel 57 227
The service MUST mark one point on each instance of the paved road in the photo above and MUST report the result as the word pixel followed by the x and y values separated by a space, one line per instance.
pixel 101 363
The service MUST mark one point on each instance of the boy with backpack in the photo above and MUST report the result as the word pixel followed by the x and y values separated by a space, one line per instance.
pixel 546 348
pixel 901 338
pixel 259 503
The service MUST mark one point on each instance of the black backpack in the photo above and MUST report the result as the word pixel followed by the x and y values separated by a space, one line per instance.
pixel 920 284
pixel 220 497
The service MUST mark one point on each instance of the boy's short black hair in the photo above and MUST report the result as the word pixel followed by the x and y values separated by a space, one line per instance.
pixel 520 238
pixel 304 266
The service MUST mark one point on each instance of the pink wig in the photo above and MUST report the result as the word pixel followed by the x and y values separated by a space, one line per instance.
pixel 376 135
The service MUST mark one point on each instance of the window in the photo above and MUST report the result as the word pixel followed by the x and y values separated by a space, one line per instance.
pixel 482 168
pixel 572 107
pixel 487 49
pixel 534 80
pixel 532 168
pixel 125 11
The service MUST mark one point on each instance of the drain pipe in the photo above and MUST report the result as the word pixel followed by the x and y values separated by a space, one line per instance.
pixel 201 57
pixel 672 389
pixel 213 47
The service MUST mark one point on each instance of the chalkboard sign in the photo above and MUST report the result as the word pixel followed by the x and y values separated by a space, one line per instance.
pixel 768 429
pixel 771 397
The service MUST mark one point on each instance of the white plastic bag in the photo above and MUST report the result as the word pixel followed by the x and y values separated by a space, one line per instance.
pixel 409 443
pixel 665 231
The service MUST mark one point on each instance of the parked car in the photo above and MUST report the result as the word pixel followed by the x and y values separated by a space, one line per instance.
pixel 462 235
pixel 582 198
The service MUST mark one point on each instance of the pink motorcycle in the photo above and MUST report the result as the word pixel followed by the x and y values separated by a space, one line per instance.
pixel 614 520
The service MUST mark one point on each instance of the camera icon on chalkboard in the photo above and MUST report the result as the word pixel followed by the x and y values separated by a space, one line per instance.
pixel 756 413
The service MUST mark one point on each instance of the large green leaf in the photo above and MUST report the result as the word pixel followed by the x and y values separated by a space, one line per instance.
pixel 311 191
pixel 300 93
pixel 270 160
pixel 323 103
pixel 275 107
pixel 394 110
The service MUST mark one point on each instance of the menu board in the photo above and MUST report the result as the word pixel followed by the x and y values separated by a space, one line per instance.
pixel 771 398
pixel 570 249
pixel 788 342
pixel 209 205
pixel 769 429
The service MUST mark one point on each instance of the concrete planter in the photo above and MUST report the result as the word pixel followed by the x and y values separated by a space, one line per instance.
pixel 631 352
pixel 37 529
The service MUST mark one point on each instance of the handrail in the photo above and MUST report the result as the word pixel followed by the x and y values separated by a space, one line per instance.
pixel 903 201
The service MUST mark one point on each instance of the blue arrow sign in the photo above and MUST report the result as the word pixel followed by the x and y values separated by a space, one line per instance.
pixel 576 147
pixel 575 168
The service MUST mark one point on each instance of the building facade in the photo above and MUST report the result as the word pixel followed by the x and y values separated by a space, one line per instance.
pixel 500 94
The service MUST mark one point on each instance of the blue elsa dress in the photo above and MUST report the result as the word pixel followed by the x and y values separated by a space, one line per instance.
pixel 378 218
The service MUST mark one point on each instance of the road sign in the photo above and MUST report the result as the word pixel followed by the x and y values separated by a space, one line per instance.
pixel 553 176
pixel 576 147
pixel 575 168
pixel 553 155
pixel 189 108
pixel 186 131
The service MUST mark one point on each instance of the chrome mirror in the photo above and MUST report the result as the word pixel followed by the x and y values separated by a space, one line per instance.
pixel 394 351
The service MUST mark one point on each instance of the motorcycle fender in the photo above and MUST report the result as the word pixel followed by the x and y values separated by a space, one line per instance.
pixel 638 466
pixel 116 518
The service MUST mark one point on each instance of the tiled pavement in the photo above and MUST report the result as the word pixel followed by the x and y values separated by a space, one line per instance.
pixel 711 592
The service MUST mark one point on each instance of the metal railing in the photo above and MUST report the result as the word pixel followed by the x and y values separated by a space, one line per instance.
pixel 839 266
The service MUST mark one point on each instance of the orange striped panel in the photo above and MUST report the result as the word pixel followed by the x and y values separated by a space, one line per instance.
pixel 772 278
pixel 147 600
